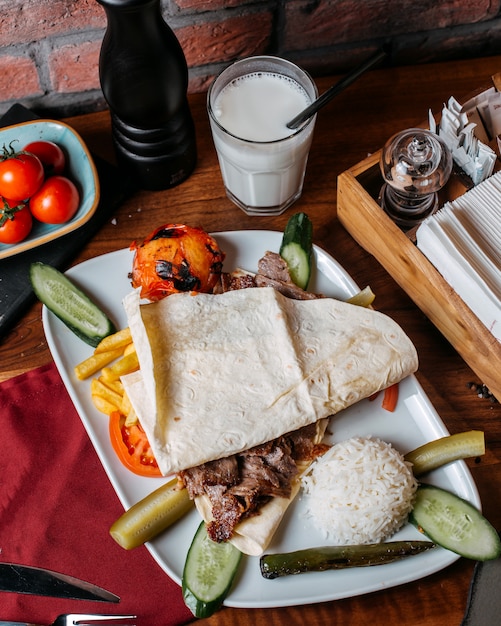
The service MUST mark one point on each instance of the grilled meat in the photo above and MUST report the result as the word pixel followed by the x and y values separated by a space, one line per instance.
pixel 238 485
pixel 272 272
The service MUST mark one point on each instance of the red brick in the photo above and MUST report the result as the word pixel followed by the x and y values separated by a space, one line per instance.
pixel 18 78
pixel 217 42
pixel 75 67
pixel 324 36
pixel 326 23
pixel 23 21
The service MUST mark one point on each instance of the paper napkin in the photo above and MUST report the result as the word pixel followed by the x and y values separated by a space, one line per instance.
pixel 463 241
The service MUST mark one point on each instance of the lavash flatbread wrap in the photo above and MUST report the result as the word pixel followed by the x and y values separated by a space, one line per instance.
pixel 222 373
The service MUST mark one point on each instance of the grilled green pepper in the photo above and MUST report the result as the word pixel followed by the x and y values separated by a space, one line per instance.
pixel 339 557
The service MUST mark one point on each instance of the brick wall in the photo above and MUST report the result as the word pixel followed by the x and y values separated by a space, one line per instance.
pixel 49 49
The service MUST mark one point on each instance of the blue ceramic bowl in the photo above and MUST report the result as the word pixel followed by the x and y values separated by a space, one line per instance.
pixel 80 168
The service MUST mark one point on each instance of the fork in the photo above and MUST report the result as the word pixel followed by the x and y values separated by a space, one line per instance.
pixel 82 619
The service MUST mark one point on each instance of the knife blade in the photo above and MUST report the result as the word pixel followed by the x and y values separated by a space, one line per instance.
pixel 484 602
pixel 43 582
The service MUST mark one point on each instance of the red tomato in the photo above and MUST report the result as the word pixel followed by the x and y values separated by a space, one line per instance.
pixel 50 154
pixel 176 257
pixel 20 174
pixel 15 222
pixel 56 201
pixel 132 446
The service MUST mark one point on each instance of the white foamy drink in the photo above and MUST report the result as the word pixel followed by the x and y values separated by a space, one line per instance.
pixel 257 107
pixel 262 161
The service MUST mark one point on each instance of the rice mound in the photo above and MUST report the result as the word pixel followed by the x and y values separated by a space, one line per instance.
pixel 360 491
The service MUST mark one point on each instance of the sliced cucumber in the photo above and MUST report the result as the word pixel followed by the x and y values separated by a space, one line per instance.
pixel 209 571
pixel 71 305
pixel 455 524
pixel 296 248
pixel 150 516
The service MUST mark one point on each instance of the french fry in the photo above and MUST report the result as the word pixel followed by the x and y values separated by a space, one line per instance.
pixel 115 356
pixel 127 364
pixel 130 348
pixel 116 385
pixel 95 362
pixel 97 388
pixel 103 405
pixel 120 339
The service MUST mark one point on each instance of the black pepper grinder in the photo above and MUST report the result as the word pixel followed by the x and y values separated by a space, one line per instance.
pixel 144 78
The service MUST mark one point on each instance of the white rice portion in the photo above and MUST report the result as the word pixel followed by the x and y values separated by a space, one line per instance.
pixel 360 491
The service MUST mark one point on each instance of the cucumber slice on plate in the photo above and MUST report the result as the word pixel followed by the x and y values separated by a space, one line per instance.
pixel 209 572
pixel 454 523
pixel 296 248
pixel 71 305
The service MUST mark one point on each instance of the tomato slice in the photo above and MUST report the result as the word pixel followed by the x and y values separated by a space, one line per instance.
pixel 132 446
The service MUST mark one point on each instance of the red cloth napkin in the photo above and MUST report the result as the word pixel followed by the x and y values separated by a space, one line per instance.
pixel 56 506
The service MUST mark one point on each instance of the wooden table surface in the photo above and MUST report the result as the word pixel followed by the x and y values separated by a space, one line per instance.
pixel 355 124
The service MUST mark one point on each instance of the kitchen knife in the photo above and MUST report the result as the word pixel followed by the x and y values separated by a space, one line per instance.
pixel 44 582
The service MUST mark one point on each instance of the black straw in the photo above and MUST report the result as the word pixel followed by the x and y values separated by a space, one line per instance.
pixel 337 88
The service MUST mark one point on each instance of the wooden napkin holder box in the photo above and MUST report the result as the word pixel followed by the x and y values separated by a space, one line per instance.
pixel 361 215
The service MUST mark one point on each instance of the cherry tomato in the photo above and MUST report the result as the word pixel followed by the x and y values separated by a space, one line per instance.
pixel 56 201
pixel 20 174
pixel 15 221
pixel 132 446
pixel 50 154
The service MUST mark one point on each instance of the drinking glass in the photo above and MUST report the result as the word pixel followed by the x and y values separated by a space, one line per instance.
pixel 262 176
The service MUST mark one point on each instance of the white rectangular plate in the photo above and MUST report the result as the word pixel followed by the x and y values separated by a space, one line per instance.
pixel 413 423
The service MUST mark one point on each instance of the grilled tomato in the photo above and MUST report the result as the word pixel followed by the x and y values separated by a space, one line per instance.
pixel 176 258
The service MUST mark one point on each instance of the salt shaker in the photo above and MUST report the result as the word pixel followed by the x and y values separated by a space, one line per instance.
pixel 415 165
pixel 144 78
